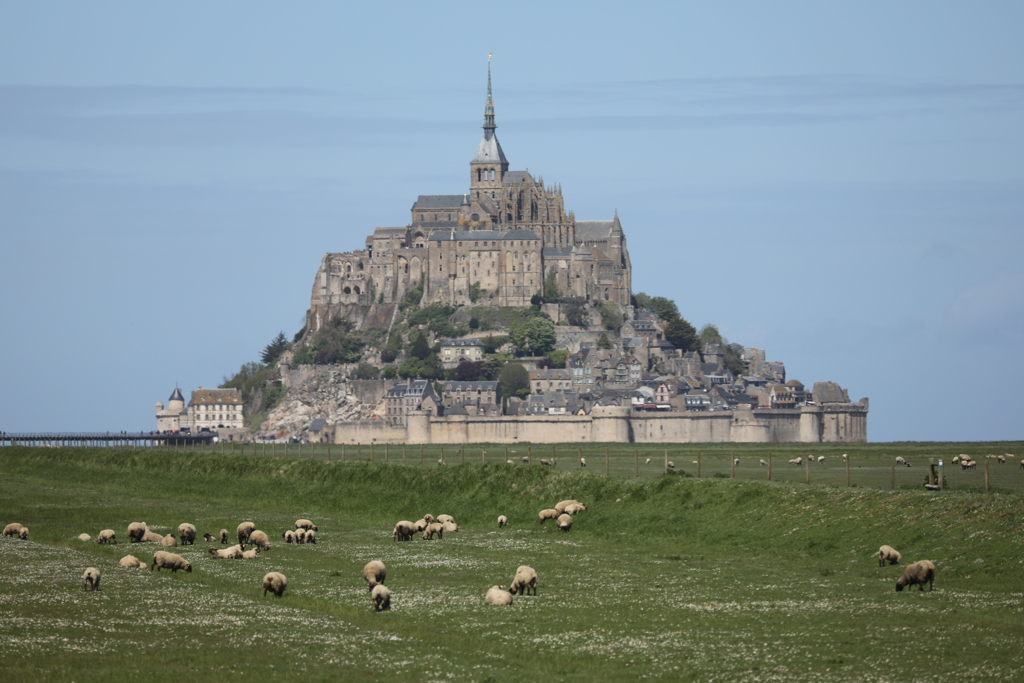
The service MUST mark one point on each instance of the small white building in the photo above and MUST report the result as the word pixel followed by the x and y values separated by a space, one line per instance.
pixel 209 409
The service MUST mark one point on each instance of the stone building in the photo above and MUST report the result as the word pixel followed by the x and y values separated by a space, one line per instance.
pixel 208 409
pixel 454 351
pixel 403 399
pixel 498 239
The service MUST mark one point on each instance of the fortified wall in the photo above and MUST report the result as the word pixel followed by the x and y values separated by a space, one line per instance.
pixel 831 423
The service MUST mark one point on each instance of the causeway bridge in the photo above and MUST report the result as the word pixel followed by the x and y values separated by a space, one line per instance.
pixel 107 439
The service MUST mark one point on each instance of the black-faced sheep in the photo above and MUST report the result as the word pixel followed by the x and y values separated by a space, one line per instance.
pixel 107 536
pixel 243 531
pixel 548 514
pixel 374 572
pixel 404 531
pixel 524 581
pixel 12 529
pixel 169 541
pixel 251 554
pixel 435 528
pixel 23 533
pixel 260 539
pixel 172 561
pixel 310 536
pixel 209 538
pixel 288 536
pixel 918 573
pixel 223 536
pixel 671 465
pixel 232 553
pixel 91 579
pixel 888 554
pixel 131 561
pixel 187 533
pixel 502 521
pixel 574 508
pixel 84 537
pixel 561 505
pixel 796 461
pixel 421 524
pixel 381 598
pixel 583 462
pixel 306 524
pixel 900 460
pixel 300 535
pixel 564 522
pixel 548 463
pixel 136 530
pixel 151 537
pixel 275 582
pixel 821 458
pixel 445 518
pixel 429 519
pixel 764 463
pixel 497 596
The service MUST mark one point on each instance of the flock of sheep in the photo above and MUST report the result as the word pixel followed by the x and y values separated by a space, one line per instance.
pixel 917 574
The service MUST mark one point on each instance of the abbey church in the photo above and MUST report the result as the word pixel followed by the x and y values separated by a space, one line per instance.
pixel 501 238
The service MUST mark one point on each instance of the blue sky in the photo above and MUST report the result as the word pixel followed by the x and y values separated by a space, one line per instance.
pixel 842 186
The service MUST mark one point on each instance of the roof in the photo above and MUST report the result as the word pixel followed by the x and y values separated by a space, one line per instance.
pixel 438 201
pixel 556 252
pixel 452 235
pixel 415 388
pixel 461 342
pixel 594 229
pixel 176 396
pixel 829 392
pixel 489 150
pixel 316 425
pixel 389 232
pixel 470 386
pixel 215 396
pixel 512 177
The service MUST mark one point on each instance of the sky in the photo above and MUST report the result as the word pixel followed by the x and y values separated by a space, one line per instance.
pixel 841 184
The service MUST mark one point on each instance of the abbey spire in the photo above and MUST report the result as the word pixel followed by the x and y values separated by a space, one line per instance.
pixel 489 164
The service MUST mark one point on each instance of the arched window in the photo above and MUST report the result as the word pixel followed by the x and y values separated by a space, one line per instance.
pixel 359 265
pixel 356 290
pixel 347 290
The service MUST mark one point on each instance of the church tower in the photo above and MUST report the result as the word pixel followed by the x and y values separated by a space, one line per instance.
pixel 489 165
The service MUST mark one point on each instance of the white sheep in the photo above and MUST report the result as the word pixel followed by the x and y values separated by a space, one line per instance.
pixel 232 553
pixel 107 536
pixel 187 533
pixel 260 539
pixel 735 461
pixel 374 572
pixel 428 518
pixel 900 460
pixel 647 462
pixel 435 528
pixel 131 561
pixel 524 581
pixel 23 533
pixel 91 579
pixel 243 531
pixel 306 524
pixel 404 531
pixel 421 524
pixel 956 460
pixel 288 536
pixel 564 522
pixel 381 597
pixel 445 518
pixel 574 508
pixel 497 596
pixel 12 529
pixel 136 530
pixel 796 461
pixel 548 514
pixel 449 527
pixel 84 537
pixel 888 554
pixel 169 541
pixel 583 462
pixel 548 463
pixel 671 465
pixel 821 458
pixel 151 537
pixel 275 582
pixel 561 505
pixel 502 521
pixel 311 536
pixel 251 554
pixel 209 538
pixel 918 573
pixel 764 463
pixel 223 536
pixel 300 535
pixel 170 561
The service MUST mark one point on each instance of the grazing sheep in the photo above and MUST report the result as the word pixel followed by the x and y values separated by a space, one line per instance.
pixel 169 541
pixel 956 460
pixel 131 561
pixel 243 531
pixel 310 536
pixel 548 514
pixel 232 553
pixel 549 463
pixel 1022 463
pixel 526 459
pixel 209 538
pixel 107 536
pixel 151 537
pixel 84 537
pixel 574 508
pixel 525 580
pixel 821 458
pixel 275 582
pixel 888 554
pixel 445 518
pixel 428 518
pixel 223 536
pixel 421 524
pixel 900 460
pixel 671 465
pixel 171 561
pixel 435 528
pixel 23 534
pixel 968 465
pixel 564 522
pixel 251 554
pixel 561 505
pixel 374 572
pixel 91 579
pixel 306 524
pixel 583 462
pixel 735 461
pixel 918 573
pixel 12 529
pixel 764 463
pixel 187 533
pixel 260 539
pixel 509 462
pixel 449 527
pixel 440 461
pixel 288 536
pixel 300 535
pixel 497 596
pixel 845 456
pixel 136 530
pixel 381 597
pixel 502 521
pixel 796 461
pixel 404 531
pixel 1001 459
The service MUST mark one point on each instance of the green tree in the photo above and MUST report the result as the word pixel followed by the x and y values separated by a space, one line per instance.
pixel 557 358
pixel 333 343
pixel 410 368
pixel 603 342
pixel 274 349
pixel 611 316
pixel 681 334
pixel 390 372
pixel 469 370
pixel 709 334
pixel 536 336
pixel 550 287
pixel 665 309
pixel 492 367
pixel 575 311
pixel 476 292
pixel 420 347
pixel 365 371
pixel 515 381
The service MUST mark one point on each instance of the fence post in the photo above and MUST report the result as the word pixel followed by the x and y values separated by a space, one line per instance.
pixel 579 457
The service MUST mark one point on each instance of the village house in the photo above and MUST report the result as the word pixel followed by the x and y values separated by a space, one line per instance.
pixel 405 398
pixel 454 351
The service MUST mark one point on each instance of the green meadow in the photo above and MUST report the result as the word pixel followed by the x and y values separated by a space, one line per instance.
pixel 724 577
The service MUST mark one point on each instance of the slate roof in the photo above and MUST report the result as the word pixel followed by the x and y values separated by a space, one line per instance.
pixel 594 229
pixel 215 396
pixel 829 392
pixel 461 342
pixel 176 396
pixel 438 201
pixel 464 235
pixel 513 177
pixel 489 149
pixel 556 252
pixel 470 386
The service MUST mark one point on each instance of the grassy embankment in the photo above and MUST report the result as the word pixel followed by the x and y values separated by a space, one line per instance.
pixel 668 577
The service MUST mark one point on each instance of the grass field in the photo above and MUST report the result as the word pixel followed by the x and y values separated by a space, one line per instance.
pixel 664 576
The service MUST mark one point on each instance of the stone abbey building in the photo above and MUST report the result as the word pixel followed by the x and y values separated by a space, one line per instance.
pixel 502 237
